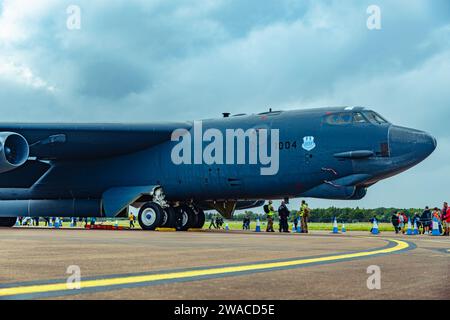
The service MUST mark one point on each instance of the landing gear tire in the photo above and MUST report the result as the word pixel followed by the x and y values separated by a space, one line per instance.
pixel 185 218
pixel 169 218
pixel 150 216
pixel 8 222
pixel 199 218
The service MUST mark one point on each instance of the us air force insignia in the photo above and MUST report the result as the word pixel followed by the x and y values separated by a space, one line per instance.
pixel 308 143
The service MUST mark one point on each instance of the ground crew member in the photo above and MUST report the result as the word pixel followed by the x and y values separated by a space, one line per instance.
pixel 283 212
pixel 131 218
pixel 269 210
pixel 304 216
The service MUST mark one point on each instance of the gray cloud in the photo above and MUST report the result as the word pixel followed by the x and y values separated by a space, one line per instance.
pixel 111 79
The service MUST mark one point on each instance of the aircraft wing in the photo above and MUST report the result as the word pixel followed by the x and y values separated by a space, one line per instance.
pixel 89 141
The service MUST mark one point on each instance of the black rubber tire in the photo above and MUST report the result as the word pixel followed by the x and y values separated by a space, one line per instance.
pixel 8 222
pixel 199 218
pixel 156 216
pixel 185 218
pixel 170 218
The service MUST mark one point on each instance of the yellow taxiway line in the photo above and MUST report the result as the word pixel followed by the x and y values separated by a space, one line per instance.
pixel 127 280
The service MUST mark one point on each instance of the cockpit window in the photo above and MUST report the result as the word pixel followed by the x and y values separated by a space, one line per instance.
pixel 339 118
pixel 343 118
pixel 375 117
pixel 359 118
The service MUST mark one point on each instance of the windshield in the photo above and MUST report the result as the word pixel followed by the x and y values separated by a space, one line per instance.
pixel 359 118
pixel 342 118
pixel 339 118
pixel 375 117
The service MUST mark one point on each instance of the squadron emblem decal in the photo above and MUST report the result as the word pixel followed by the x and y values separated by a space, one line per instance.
pixel 308 143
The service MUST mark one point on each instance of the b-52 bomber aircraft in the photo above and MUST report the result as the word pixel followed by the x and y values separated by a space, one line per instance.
pixel 174 171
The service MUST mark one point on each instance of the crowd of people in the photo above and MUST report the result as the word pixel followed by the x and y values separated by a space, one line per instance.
pixel 35 221
pixel 302 217
pixel 424 220
pixel 217 222
pixel 52 221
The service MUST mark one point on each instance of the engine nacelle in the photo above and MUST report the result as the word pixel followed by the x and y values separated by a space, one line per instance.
pixel 14 151
pixel 328 191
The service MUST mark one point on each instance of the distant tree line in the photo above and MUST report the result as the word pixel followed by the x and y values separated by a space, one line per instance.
pixel 347 215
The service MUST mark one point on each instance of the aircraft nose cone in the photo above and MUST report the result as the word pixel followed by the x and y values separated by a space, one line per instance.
pixel 415 143
pixel 434 142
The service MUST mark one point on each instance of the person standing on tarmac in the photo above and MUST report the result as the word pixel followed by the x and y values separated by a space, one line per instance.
pixel 283 212
pixel 395 222
pixel 304 216
pixel 246 223
pixel 446 219
pixel 426 220
pixel 405 221
pixel 212 224
pixel 219 222
pixel 401 222
pixel 131 218
pixel 269 210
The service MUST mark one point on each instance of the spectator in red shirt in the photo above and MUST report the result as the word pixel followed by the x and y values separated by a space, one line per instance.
pixel 446 219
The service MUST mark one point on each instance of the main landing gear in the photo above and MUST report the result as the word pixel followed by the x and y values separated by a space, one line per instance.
pixel 190 217
pixel 158 213
pixel 152 215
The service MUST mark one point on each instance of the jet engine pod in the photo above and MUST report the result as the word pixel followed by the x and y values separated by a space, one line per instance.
pixel 14 151
pixel 330 191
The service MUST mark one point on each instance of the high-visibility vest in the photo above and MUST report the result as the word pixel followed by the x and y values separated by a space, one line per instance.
pixel 303 209
pixel 271 211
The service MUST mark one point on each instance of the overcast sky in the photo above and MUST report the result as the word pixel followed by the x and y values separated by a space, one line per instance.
pixel 134 61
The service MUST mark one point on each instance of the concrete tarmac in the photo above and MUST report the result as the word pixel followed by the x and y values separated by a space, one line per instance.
pixel 221 265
